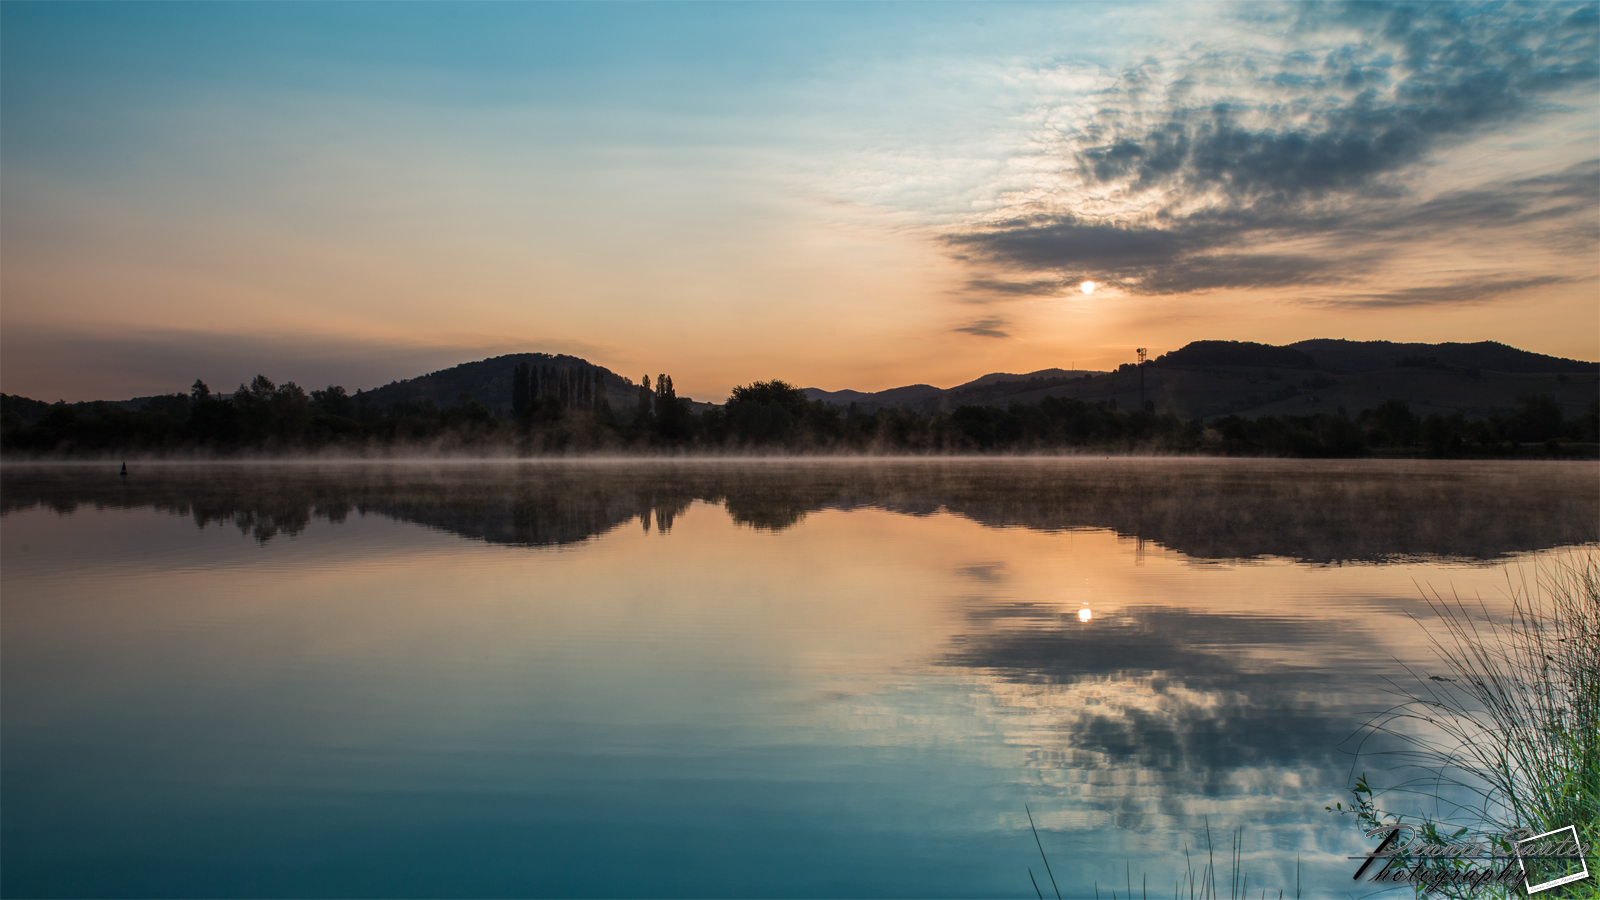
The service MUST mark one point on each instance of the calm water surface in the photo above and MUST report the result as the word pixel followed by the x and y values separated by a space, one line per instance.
pixel 718 679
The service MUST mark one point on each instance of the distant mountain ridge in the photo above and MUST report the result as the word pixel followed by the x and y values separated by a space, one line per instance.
pixel 1343 356
pixel 1212 378
pixel 1201 379
pixel 926 396
pixel 1236 353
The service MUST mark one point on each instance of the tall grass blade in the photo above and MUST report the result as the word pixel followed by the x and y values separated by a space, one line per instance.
pixel 1046 858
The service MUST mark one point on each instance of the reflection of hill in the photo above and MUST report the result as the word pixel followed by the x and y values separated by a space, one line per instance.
pixel 1208 509
pixel 1312 513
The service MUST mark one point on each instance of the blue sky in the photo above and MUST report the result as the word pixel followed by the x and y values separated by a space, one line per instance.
pixel 841 195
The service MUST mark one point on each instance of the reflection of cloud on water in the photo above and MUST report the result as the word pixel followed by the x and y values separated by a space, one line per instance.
pixel 988 573
pixel 1156 715
pixel 1045 645
pixel 1132 752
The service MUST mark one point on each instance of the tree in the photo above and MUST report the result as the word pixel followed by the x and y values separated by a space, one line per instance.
pixel 262 388
pixel 1539 420
pixel 1396 422
pixel 519 388
pixel 644 409
pixel 291 412
pixel 674 420
pixel 333 401
pixel 1439 435
pixel 765 411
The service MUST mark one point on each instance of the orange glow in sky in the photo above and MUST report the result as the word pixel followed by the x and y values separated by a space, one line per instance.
pixel 841 197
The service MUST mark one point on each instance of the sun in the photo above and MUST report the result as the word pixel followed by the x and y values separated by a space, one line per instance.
pixel 1088 287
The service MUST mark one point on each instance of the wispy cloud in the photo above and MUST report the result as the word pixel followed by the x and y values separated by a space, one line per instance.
pixel 1455 293
pixel 1204 172
pixel 991 327
pixel 1000 287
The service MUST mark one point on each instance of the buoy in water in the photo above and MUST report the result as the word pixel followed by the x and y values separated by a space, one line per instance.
pixel 124 470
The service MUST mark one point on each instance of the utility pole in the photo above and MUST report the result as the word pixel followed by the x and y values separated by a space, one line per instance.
pixel 1141 352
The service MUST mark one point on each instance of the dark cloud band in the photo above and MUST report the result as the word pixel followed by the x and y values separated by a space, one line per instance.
pixel 1315 144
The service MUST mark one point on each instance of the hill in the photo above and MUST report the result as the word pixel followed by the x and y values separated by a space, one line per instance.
pixel 1206 379
pixel 1342 357
pixel 910 395
pixel 1236 353
pixel 927 398
pixel 1203 379
pixel 488 381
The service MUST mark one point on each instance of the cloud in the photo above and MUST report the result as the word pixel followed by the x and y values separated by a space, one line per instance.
pixel 992 327
pixel 1418 75
pixel 1069 243
pixel 1043 288
pixel 1561 204
pixel 1190 174
pixel 1202 273
pixel 1455 293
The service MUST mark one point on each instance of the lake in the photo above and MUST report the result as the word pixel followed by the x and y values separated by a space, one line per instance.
pixel 722 678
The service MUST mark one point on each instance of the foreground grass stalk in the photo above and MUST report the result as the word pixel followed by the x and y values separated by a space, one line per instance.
pixel 1507 738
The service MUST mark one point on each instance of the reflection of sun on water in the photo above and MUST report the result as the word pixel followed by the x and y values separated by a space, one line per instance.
pixel 1084 615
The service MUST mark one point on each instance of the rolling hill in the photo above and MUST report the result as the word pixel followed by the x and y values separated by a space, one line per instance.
pixel 1203 379
pixel 1206 379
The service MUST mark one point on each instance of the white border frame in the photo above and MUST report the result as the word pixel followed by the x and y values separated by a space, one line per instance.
pixel 1565 879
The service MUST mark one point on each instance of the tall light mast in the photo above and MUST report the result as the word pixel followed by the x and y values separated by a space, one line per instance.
pixel 1141 352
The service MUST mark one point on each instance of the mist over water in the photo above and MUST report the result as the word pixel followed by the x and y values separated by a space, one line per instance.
pixel 679 678
pixel 1310 511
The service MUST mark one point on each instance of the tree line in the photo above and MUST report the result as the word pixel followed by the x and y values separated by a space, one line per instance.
pixel 542 393
pixel 561 410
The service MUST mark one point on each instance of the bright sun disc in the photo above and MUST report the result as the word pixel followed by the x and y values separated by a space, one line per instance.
pixel 1088 287
pixel 1084 615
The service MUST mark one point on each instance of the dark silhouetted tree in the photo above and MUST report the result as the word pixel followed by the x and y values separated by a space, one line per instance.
pixel 765 411
pixel 644 406
pixel 1395 422
pixel 519 389
pixel 333 401
pixel 1539 420
pixel 674 420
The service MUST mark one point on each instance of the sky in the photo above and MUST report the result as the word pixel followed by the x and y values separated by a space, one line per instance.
pixel 840 195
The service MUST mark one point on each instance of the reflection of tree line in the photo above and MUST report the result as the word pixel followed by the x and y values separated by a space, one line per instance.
pixel 1206 510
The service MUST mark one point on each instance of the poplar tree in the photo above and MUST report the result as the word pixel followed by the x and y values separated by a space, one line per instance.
pixel 642 412
pixel 519 389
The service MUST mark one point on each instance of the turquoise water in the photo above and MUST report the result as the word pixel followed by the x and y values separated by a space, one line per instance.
pixel 718 678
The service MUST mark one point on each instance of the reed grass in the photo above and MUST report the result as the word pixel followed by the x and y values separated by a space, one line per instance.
pixel 1506 737
pixel 1201 883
